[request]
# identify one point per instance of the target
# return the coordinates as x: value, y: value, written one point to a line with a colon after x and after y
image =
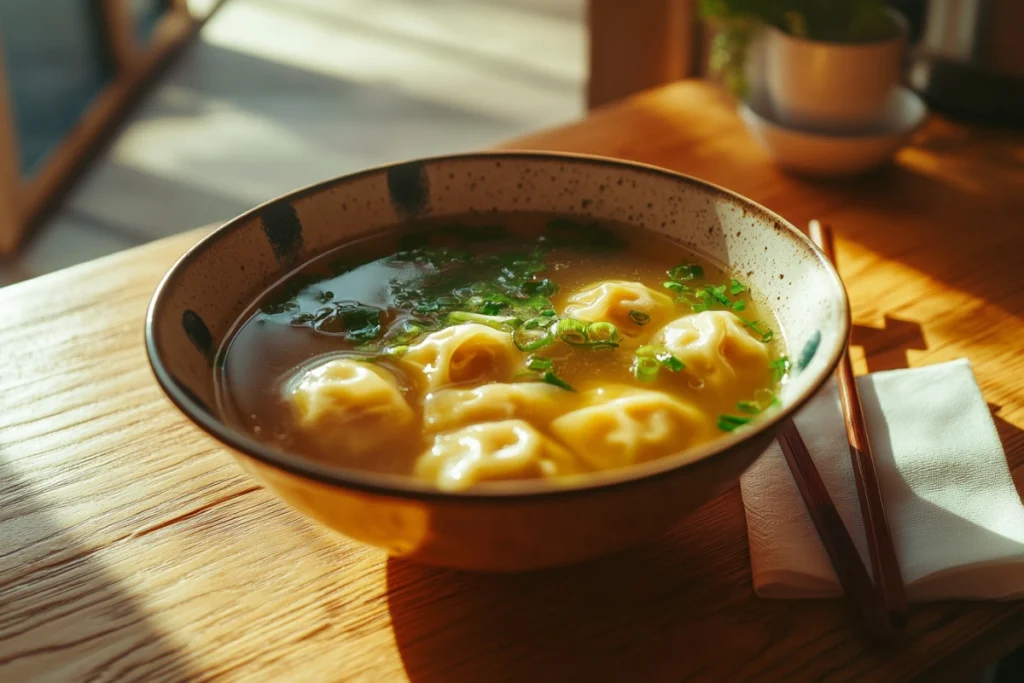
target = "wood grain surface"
x: 133, y: 548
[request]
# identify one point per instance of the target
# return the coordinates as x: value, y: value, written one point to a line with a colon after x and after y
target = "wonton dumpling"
x: 492, y: 451
x: 719, y: 352
x: 463, y: 353
x: 623, y: 426
x: 348, y: 406
x: 449, y: 408
x: 612, y: 302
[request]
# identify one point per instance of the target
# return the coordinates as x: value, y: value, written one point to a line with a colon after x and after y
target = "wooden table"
x: 133, y: 548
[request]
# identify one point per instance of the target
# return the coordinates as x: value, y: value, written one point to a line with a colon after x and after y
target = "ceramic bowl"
x: 509, y: 526
x: 823, y: 154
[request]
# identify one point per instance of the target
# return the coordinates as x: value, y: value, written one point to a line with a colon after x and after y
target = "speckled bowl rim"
x: 397, y: 486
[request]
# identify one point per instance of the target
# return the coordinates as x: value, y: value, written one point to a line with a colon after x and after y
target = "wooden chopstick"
x: 883, y: 555
x: 836, y: 539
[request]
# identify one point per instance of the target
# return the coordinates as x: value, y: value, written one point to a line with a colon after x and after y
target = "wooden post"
x: 638, y: 45
x: 11, y: 214
x: 117, y: 19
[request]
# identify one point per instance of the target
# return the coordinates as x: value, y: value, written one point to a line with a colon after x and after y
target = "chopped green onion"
x: 677, y: 287
x: 410, y: 331
x: 398, y: 350
x: 683, y: 273
x: 639, y: 318
x: 536, y: 323
x: 728, y: 423
x: 717, y: 293
x: 736, y: 287
x: 759, y: 328
x: 779, y: 366
x: 766, y: 398
x: 549, y: 313
x: 738, y: 305
x: 669, y: 361
x: 602, y: 333
x: 645, y: 368
x: 543, y: 287
x: 572, y: 331
x: 531, y: 339
x: 503, y: 323
x: 553, y: 379
x: 661, y: 357
x: 492, y: 308
x: 539, y: 364
x: 749, y: 407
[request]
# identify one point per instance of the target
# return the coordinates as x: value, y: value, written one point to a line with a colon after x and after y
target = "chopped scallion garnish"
x: 728, y: 423
x: 779, y: 366
x: 717, y: 293
x: 760, y: 328
x: 503, y: 323
x: 532, y: 339
x: 736, y: 287
x: 539, y: 364
x: 639, y: 318
x: 749, y: 407
x: 602, y: 333
x: 683, y: 273
x: 669, y: 361
x: 677, y: 287
x: 572, y: 331
x: 645, y: 368
x: 553, y: 379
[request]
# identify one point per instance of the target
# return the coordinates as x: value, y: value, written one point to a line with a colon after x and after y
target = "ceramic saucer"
x: 821, y: 153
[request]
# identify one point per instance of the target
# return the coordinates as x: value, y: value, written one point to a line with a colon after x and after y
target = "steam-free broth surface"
x: 520, y: 347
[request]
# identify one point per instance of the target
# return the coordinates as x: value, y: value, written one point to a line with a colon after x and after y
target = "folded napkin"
x: 956, y: 518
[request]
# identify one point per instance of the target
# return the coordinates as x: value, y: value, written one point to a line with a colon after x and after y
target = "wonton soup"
x: 521, y: 347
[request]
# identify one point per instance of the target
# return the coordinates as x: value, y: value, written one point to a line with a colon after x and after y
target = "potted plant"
x: 819, y: 64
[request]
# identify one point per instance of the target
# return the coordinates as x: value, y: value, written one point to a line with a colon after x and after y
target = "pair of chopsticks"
x: 883, y: 606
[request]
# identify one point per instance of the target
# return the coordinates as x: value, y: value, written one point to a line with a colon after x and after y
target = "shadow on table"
x: 455, y: 626
x: 63, y: 616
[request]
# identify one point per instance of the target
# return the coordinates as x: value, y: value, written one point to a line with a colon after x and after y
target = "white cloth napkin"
x: 956, y: 518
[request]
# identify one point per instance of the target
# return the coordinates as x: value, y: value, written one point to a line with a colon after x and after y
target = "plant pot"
x: 826, y: 86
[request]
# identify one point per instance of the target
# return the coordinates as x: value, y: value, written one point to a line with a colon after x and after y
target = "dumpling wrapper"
x: 624, y: 426
x: 493, y: 451
x: 613, y: 300
x: 534, y: 401
x: 349, y: 407
x: 720, y: 353
x: 461, y: 354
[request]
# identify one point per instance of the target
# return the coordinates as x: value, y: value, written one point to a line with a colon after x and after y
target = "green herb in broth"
x: 515, y: 287
x: 649, y: 360
x: 729, y: 423
x: 780, y: 367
